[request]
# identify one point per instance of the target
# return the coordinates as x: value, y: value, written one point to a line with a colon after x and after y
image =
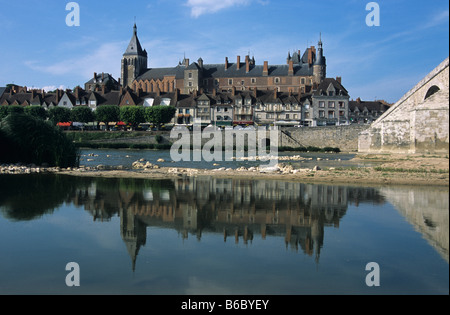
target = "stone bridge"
x: 417, y: 123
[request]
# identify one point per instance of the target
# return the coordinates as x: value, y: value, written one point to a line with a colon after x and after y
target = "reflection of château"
x: 236, y: 208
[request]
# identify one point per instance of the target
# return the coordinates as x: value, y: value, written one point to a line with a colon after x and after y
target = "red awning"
x: 64, y: 124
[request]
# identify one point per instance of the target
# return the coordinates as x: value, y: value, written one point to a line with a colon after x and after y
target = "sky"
x: 383, y: 61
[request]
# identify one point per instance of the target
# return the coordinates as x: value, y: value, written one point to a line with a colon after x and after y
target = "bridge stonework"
x: 417, y: 123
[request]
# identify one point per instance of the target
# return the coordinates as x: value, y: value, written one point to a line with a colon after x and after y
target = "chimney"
x: 33, y: 94
x: 95, y: 77
x: 339, y: 79
x: 275, y: 93
x: 103, y: 89
x: 226, y: 63
x: 358, y: 100
x: 266, y: 69
x: 310, y: 61
x: 186, y: 62
x: 119, y: 81
x: 247, y: 64
x: 103, y: 76
x: 291, y: 68
x: 238, y: 63
x: 214, y: 92
x: 77, y: 93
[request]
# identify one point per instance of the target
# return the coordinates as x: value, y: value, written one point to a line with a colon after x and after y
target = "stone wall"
x: 342, y: 137
x: 417, y: 123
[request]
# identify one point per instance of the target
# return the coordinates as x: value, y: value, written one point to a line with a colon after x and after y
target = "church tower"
x: 134, y: 61
x: 320, y: 65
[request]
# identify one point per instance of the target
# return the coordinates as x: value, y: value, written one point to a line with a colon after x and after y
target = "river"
x: 204, y: 235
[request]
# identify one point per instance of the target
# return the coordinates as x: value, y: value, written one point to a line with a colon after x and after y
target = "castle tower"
x: 320, y: 65
x: 134, y: 61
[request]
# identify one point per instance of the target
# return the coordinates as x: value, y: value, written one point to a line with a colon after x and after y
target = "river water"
x: 203, y: 236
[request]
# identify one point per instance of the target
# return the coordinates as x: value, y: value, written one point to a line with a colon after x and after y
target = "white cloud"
x: 199, y: 7
x: 104, y: 59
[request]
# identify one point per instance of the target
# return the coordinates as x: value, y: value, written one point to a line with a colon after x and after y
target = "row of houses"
x: 328, y: 105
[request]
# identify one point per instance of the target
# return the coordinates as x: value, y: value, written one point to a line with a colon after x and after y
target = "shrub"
x: 32, y: 140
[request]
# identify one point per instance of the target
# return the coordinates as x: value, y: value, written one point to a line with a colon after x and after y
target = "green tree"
x: 36, y: 111
x: 82, y: 114
x: 159, y: 115
x: 3, y: 112
x: 59, y: 114
x: 107, y: 114
x: 133, y: 115
x: 31, y: 140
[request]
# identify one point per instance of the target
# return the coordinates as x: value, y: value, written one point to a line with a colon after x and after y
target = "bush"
x: 31, y: 140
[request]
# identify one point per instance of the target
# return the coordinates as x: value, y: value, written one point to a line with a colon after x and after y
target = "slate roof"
x: 2, y: 90
x: 323, y: 86
x: 134, y: 47
x: 160, y: 73
x: 371, y: 106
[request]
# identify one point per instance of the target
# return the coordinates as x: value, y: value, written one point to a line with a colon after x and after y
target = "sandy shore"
x: 430, y: 170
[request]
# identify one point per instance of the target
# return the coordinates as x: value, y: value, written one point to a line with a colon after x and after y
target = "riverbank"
x: 391, y: 169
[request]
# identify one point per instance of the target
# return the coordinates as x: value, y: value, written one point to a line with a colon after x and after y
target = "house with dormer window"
x: 330, y: 105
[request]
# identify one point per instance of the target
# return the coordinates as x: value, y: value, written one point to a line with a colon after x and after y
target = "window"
x: 190, y: 84
x: 341, y: 113
x: 330, y: 93
x: 295, y: 116
x: 330, y: 114
x: 277, y: 80
x: 303, y: 81
x: 287, y: 116
x: 321, y: 114
x: 331, y: 104
x: 253, y: 81
x: 321, y: 104
x: 190, y: 75
x: 230, y: 81
x: 307, y: 115
x: 341, y: 104
x: 242, y: 82
x: 188, y: 111
x: 216, y: 82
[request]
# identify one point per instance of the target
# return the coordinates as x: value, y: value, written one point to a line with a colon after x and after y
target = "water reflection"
x: 238, y: 209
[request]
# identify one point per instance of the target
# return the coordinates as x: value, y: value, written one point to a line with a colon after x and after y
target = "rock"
x: 316, y: 168
x: 160, y: 161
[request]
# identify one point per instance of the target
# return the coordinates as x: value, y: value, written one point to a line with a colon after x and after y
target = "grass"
x: 402, y: 170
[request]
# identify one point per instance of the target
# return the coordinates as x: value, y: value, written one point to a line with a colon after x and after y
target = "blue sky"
x: 39, y: 50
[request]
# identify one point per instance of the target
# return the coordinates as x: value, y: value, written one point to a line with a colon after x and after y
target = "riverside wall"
x: 343, y: 137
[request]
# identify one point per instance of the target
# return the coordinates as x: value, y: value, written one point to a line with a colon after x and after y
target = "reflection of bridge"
x: 427, y: 211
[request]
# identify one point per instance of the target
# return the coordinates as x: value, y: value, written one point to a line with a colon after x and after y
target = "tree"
x: 159, y: 115
x: 133, y: 115
x: 59, y: 114
x: 107, y: 114
x: 82, y: 114
x: 36, y: 111
x: 31, y: 140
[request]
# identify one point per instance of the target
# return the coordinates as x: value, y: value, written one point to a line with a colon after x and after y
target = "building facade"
x: 300, y: 74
